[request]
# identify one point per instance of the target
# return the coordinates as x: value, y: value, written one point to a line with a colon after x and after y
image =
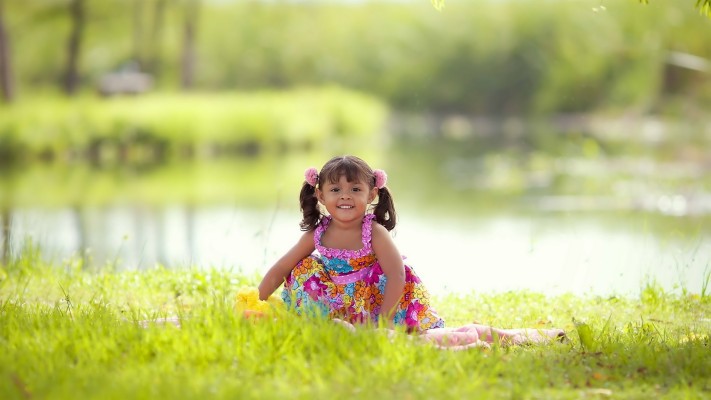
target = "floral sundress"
x: 349, y: 284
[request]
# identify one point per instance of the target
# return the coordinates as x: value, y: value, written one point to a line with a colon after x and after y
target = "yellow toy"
x: 248, y: 303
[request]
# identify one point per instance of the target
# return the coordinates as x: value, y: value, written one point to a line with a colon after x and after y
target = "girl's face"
x: 346, y: 201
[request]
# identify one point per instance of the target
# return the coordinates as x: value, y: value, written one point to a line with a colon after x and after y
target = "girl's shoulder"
x: 307, y: 236
x: 382, y: 241
x: 377, y: 230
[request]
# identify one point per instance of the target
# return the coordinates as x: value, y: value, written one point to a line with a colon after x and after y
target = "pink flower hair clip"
x: 381, y: 178
x: 311, y: 176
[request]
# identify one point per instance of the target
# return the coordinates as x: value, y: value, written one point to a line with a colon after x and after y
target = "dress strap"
x: 320, y: 229
x: 368, y: 231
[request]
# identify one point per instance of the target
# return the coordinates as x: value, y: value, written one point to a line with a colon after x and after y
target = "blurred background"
x: 555, y: 146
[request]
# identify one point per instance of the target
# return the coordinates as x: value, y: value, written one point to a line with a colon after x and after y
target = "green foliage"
x: 704, y: 6
x: 164, y: 126
x: 474, y: 56
x: 585, y: 335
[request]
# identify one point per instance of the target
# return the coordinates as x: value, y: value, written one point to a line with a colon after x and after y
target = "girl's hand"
x: 248, y: 303
x: 281, y: 269
x: 344, y: 324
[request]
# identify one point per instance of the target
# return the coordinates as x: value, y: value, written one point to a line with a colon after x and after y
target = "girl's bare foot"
x: 536, y: 336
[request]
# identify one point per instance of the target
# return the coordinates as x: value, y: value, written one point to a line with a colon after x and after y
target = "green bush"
x: 160, y: 126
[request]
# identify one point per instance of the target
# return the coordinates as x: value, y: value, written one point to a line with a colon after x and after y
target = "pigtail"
x: 385, y: 209
x: 309, y: 207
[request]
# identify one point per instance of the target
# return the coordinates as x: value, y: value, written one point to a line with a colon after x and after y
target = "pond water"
x: 469, y: 220
x: 557, y: 254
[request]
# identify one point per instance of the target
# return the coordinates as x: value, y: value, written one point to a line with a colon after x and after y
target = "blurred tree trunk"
x: 188, y: 58
x: 77, y: 13
x: 153, y: 58
x: 7, y: 84
x: 138, y: 40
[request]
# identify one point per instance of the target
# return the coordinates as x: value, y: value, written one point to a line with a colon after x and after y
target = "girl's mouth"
x: 345, y: 207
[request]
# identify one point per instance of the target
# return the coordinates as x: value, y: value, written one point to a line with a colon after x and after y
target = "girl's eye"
x: 356, y: 189
x: 334, y: 189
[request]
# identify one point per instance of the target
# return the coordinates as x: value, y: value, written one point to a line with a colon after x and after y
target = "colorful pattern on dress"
x: 349, y: 284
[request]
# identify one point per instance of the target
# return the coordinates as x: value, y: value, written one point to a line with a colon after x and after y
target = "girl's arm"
x: 390, y: 261
x: 278, y: 272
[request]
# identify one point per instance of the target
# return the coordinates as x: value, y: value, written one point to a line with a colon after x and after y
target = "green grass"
x: 69, y: 333
x: 162, y: 126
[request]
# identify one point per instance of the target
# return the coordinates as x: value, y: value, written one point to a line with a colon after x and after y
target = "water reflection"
x: 140, y: 237
x: 552, y: 254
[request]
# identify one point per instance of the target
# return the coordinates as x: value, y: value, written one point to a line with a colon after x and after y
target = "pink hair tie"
x: 381, y: 178
x: 311, y: 175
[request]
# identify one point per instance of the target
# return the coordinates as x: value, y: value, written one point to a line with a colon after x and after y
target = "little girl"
x: 357, y: 274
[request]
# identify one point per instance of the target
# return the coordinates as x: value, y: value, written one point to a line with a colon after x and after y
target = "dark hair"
x: 355, y: 170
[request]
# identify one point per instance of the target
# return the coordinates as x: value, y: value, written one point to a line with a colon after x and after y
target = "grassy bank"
x: 160, y: 127
x: 70, y: 333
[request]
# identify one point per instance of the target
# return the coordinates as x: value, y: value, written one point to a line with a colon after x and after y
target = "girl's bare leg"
x: 454, y: 339
x: 443, y: 338
x: 477, y: 335
x: 490, y: 334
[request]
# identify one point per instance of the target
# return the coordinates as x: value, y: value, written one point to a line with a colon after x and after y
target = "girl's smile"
x: 346, y: 201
